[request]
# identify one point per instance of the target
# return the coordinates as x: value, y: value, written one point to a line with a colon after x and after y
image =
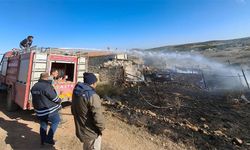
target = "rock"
x: 137, y: 110
x: 151, y: 113
x: 118, y: 103
x: 192, y: 127
x: 144, y: 112
x: 203, y: 131
x: 166, y: 131
x: 224, y: 129
x: 167, y: 120
x: 177, y: 94
x: 237, y: 141
x: 164, y: 144
x: 108, y: 102
x: 202, y: 119
x: 243, y: 97
x: 185, y: 121
x: 235, y: 101
x: 205, y: 126
x: 181, y: 124
x: 122, y: 106
x: 219, y: 133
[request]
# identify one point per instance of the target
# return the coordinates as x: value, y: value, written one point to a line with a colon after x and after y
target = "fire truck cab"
x: 19, y: 71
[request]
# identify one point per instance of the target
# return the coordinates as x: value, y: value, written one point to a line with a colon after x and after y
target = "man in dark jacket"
x: 26, y: 43
x: 87, y: 112
x: 46, y: 104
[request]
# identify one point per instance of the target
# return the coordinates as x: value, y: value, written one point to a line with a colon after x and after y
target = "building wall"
x: 99, y: 60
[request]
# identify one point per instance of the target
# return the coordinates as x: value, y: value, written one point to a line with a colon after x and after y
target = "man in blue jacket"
x: 46, y: 104
x: 26, y: 43
x: 87, y: 112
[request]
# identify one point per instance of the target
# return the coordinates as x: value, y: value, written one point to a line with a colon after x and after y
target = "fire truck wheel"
x: 10, y: 104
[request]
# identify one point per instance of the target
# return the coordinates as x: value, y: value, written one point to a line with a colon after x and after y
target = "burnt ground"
x: 189, y: 114
x: 177, y: 114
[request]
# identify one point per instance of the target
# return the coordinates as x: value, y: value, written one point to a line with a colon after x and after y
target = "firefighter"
x: 26, y: 43
x: 46, y: 104
x: 87, y: 112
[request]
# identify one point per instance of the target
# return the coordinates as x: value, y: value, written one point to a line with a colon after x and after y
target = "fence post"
x: 204, y: 81
x: 245, y: 77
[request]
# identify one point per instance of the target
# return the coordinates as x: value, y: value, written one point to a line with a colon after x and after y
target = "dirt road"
x: 19, y: 130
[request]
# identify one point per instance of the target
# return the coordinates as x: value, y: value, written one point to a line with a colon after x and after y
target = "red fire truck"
x: 19, y: 71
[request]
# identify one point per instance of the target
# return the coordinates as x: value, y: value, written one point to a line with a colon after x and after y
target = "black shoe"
x: 50, y: 142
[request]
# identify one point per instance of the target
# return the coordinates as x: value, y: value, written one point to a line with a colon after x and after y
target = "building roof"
x: 99, y: 53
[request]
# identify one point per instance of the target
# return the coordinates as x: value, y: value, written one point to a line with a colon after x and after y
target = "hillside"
x: 236, y: 51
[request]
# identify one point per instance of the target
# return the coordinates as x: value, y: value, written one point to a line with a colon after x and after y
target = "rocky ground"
x: 156, y: 115
x: 187, y: 114
x: 20, y: 131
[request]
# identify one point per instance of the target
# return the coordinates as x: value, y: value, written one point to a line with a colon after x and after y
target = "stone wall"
x: 99, y: 60
x: 106, y: 74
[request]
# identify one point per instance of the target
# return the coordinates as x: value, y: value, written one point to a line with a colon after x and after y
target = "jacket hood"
x: 83, y: 88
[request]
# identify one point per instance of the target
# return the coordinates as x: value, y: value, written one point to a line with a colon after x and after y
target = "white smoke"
x: 224, y: 76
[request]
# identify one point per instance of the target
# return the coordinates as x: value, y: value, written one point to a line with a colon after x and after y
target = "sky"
x: 121, y: 24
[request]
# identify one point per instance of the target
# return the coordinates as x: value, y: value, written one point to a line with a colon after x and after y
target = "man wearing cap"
x: 46, y: 104
x: 87, y: 112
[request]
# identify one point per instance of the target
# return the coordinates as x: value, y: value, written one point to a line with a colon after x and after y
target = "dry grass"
x: 109, y: 90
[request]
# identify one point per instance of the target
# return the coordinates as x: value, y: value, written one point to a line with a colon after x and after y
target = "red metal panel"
x: 23, y: 90
x: 63, y: 58
x: 12, y: 70
x: 20, y: 94
x: 8, y: 54
x: 64, y: 90
x: 26, y: 99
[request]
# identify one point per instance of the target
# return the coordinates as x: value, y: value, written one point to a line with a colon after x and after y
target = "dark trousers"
x: 44, y: 121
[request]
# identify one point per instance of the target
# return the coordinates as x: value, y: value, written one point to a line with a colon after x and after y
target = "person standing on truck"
x: 87, y: 112
x: 46, y: 104
x: 26, y: 43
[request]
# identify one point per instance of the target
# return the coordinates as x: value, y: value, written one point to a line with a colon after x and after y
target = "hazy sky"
x: 121, y: 23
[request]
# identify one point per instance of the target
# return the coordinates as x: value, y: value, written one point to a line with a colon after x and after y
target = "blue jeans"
x: 54, y: 119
